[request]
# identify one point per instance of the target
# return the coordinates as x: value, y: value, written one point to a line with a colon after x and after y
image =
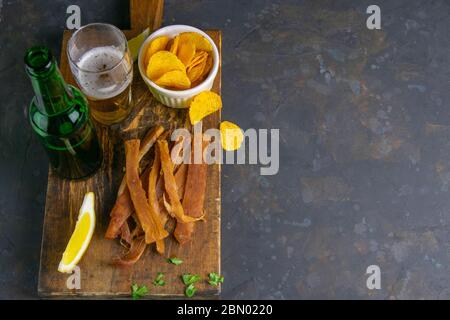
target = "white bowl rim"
x: 191, y: 91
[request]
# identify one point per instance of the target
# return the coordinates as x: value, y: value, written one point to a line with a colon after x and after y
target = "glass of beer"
x: 102, y: 66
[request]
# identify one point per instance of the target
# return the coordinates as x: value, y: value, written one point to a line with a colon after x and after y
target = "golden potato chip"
x: 205, y: 73
x: 195, y: 72
x: 203, y: 104
x: 174, y: 46
x: 208, y: 66
x: 174, y: 79
x: 231, y: 136
x: 162, y: 62
x: 186, y: 51
x: 198, y: 58
x: 156, y: 45
x: 201, y: 43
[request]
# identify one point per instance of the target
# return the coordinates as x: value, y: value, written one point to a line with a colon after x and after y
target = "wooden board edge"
x: 126, y: 297
x: 39, y: 288
x: 219, y: 208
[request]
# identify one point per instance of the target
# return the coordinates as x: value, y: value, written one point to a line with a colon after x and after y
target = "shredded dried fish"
x: 152, y: 199
x: 125, y: 234
x: 171, y: 186
x: 137, y: 248
x: 150, y: 222
x: 122, y: 209
x: 148, y: 141
x: 193, y: 199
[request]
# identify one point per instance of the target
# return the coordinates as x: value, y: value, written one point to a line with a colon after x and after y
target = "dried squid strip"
x: 121, y: 211
x: 193, y: 199
x: 150, y: 222
x: 132, y: 256
x: 152, y: 198
x: 171, y: 186
x: 148, y: 141
x: 180, y: 180
x: 125, y: 234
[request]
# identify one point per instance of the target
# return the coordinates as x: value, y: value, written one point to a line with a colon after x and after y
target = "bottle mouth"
x: 38, y: 60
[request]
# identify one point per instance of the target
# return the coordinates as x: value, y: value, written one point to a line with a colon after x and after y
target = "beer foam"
x: 98, y: 85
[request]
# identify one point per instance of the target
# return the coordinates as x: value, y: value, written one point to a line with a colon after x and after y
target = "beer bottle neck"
x: 52, y: 95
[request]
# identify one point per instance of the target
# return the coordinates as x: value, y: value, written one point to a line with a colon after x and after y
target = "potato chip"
x: 162, y: 62
x: 201, y: 43
x: 194, y: 73
x: 174, y: 46
x: 203, y: 104
x: 208, y: 66
x: 156, y: 45
x: 231, y: 136
x: 174, y: 79
x: 198, y: 58
x: 205, y: 73
x: 186, y: 51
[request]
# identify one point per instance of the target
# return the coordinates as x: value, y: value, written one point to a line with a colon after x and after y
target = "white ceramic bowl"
x: 178, y: 98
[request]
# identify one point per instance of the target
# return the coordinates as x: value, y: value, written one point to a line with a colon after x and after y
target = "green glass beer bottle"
x: 59, y: 115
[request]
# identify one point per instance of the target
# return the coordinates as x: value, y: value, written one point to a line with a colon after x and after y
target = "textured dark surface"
x: 364, y: 144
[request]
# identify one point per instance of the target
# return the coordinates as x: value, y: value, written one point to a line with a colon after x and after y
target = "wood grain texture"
x: 99, y: 278
x: 148, y: 13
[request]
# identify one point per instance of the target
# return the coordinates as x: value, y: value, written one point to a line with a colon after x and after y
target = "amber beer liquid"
x: 102, y: 65
x: 108, y: 88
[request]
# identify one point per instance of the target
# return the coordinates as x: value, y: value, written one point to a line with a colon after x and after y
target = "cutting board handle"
x: 146, y: 13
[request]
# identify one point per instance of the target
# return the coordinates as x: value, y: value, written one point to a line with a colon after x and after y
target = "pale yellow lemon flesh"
x: 81, y: 236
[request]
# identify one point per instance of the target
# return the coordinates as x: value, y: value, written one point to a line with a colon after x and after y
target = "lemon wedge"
x: 135, y: 43
x: 81, y: 236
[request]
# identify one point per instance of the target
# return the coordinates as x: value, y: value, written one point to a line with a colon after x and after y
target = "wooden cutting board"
x: 99, y: 278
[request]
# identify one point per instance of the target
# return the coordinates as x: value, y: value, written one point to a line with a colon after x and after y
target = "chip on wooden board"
x: 203, y: 104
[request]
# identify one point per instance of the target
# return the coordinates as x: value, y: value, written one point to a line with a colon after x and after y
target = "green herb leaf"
x: 190, y: 278
x: 159, y: 281
x: 215, y: 279
x: 138, y: 292
x: 190, y: 290
x: 175, y: 261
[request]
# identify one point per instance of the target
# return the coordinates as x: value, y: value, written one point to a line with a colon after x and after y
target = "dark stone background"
x: 364, y: 130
